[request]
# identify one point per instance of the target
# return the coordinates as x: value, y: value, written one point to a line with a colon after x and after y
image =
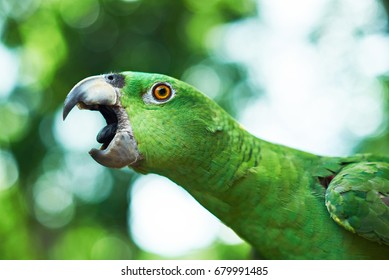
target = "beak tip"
x: 64, y: 115
x: 71, y: 100
x: 66, y: 110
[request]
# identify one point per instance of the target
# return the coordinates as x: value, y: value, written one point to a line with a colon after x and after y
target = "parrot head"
x: 153, y: 121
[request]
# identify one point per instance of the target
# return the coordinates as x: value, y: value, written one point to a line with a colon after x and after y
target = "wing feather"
x: 357, y: 200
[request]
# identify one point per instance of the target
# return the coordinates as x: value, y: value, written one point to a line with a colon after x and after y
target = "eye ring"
x: 162, y: 91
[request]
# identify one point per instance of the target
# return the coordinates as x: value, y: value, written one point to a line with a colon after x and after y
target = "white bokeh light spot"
x: 9, y: 68
x: 315, y: 68
x: 78, y: 132
x: 166, y: 220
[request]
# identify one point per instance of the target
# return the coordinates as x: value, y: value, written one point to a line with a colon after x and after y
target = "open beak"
x: 101, y: 93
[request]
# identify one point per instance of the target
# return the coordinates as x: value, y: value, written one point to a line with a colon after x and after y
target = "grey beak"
x: 122, y: 149
x: 91, y: 91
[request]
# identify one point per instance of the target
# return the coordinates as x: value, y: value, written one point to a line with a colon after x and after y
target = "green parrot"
x: 288, y: 204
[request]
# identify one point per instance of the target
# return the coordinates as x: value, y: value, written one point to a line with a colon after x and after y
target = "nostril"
x: 115, y: 79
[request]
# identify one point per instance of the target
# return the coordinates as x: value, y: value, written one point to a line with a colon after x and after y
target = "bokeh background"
x: 309, y: 74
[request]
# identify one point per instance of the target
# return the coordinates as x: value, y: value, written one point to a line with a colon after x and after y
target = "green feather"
x: 354, y: 200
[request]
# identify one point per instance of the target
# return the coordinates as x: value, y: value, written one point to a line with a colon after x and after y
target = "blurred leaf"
x: 15, y: 238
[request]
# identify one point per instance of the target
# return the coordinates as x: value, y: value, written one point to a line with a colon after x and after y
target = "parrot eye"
x: 162, y: 91
x: 159, y: 93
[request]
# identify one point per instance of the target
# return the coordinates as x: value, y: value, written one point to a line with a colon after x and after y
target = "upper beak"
x: 91, y: 91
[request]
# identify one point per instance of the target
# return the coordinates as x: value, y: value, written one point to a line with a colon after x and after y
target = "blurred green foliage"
x: 56, y: 43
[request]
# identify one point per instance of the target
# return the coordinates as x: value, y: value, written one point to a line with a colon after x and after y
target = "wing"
x: 358, y: 199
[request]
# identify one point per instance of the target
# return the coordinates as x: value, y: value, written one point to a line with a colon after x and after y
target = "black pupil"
x: 110, y: 77
x: 162, y: 91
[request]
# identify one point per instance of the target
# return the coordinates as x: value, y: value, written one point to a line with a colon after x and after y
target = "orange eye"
x: 162, y: 92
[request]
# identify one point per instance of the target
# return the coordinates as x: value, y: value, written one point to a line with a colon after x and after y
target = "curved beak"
x: 91, y: 91
x: 119, y: 147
